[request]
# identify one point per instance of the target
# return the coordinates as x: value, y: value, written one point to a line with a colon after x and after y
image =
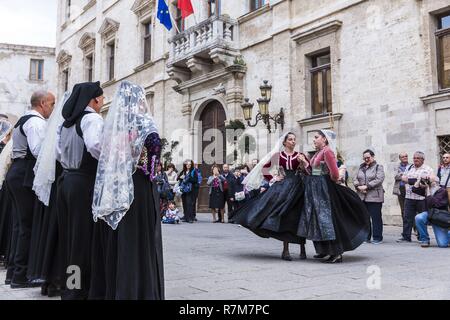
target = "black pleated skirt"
x: 133, y: 255
x: 5, y: 222
x: 75, y: 232
x: 216, y: 199
x: 51, y: 259
x: 333, y: 216
x: 276, y: 212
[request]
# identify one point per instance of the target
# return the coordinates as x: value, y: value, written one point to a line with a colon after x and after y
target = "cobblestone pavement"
x: 225, y: 261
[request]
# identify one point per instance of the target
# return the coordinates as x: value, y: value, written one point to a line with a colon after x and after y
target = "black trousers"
x: 13, y: 241
x: 23, y: 199
x: 376, y: 225
x: 412, y: 208
x: 196, y: 192
x: 188, y: 200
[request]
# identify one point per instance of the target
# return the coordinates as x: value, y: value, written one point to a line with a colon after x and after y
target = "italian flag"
x: 186, y: 8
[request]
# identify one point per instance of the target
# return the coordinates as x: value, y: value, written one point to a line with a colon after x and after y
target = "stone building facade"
x: 24, y: 69
x: 377, y: 71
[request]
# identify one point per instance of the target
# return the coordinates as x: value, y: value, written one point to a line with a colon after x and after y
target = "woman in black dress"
x: 5, y: 202
x: 216, y: 194
x: 333, y: 216
x: 126, y: 199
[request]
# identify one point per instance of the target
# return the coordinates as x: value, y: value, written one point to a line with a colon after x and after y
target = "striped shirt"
x: 416, y: 173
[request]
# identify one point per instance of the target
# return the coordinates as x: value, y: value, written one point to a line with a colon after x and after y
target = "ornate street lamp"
x: 263, y: 114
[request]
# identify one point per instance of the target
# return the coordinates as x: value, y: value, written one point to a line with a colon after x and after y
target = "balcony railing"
x: 215, y: 32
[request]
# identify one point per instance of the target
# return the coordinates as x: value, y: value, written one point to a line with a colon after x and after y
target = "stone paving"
x: 227, y: 262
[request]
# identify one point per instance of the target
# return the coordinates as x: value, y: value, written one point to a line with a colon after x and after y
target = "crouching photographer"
x: 437, y: 215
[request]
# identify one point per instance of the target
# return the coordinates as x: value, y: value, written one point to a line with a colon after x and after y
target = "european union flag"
x: 164, y: 14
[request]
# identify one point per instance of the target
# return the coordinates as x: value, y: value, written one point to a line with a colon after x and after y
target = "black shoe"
x: 7, y: 282
x: 403, y: 240
x: 334, y: 259
x: 44, y: 289
x: 303, y: 256
x: 217, y: 221
x: 195, y: 219
x: 20, y: 285
x: 320, y: 256
x: 53, y: 291
x: 286, y: 256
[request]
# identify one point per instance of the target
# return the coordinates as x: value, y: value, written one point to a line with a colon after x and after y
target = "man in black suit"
x: 229, y: 190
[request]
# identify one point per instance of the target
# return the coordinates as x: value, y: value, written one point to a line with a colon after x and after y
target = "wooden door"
x: 212, y: 117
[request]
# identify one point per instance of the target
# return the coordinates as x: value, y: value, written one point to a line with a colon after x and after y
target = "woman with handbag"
x: 188, y: 180
x: 216, y: 184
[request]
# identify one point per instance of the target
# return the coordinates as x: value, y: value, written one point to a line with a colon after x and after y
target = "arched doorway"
x: 213, y: 144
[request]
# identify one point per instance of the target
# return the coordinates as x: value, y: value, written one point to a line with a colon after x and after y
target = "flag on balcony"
x: 164, y: 14
x: 186, y: 8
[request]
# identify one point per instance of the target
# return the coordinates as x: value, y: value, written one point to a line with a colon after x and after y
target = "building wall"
x: 16, y: 87
x: 383, y: 60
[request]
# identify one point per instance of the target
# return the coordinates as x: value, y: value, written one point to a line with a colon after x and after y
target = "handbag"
x: 186, y: 186
x: 165, y: 190
x: 177, y: 189
x: 239, y: 196
x: 440, y: 218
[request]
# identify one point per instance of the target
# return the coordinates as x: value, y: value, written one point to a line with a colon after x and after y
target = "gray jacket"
x: 373, y: 178
x: 398, y: 179
x: 210, y: 180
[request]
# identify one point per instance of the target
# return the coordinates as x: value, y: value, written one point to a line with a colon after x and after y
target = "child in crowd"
x: 171, y: 215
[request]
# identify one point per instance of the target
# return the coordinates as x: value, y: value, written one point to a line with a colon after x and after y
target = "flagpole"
x: 195, y: 18
x: 174, y: 23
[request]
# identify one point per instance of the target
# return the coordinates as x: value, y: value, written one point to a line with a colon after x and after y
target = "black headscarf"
x: 81, y: 95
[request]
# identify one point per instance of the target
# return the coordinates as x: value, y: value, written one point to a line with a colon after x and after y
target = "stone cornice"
x: 142, y: 7
x: 253, y: 14
x: 27, y: 49
x: 314, y: 32
x: 319, y: 119
x: 108, y: 26
x: 63, y: 57
x: 144, y: 66
x: 87, y: 41
x: 436, y: 97
x: 210, y: 76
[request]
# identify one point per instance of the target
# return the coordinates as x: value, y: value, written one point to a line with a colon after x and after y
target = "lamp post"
x: 263, y: 113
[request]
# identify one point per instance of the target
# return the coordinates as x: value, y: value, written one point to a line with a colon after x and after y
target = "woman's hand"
x: 362, y: 189
x: 302, y: 159
x: 278, y: 178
